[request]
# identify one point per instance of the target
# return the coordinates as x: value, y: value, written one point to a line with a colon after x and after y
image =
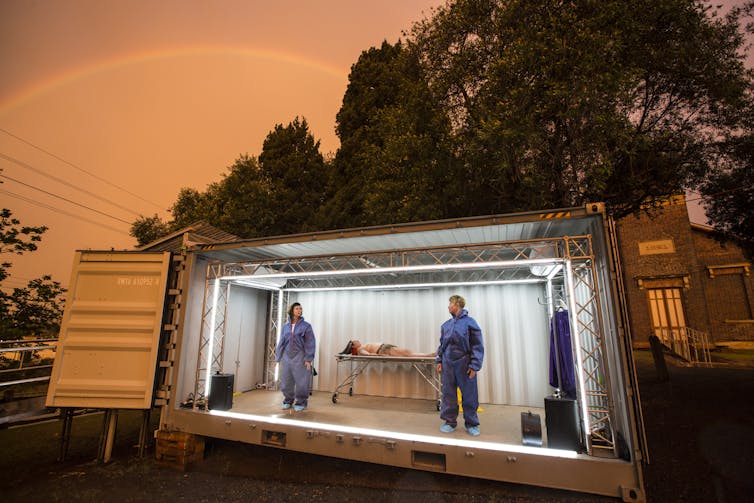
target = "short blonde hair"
x: 458, y: 300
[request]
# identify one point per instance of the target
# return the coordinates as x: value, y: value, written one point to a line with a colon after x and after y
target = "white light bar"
x: 409, y: 437
x: 257, y: 284
x: 574, y: 321
x: 279, y: 330
x: 408, y: 268
x: 416, y: 285
x: 211, y: 348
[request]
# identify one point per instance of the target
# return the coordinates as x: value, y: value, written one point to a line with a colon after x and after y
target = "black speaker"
x: 562, y: 422
x: 221, y: 392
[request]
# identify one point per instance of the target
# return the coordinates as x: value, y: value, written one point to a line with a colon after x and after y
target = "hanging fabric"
x: 562, y: 372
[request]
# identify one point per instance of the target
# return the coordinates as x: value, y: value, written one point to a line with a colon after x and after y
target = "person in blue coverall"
x: 459, y: 359
x: 295, y: 350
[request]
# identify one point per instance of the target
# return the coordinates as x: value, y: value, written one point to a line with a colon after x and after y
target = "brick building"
x: 680, y: 282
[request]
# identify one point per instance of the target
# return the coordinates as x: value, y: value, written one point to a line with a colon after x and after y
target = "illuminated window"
x: 668, y: 320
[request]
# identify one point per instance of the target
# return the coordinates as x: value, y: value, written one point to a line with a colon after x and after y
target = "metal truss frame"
x: 509, y: 261
x: 594, y: 381
x: 275, y: 320
x: 212, y: 333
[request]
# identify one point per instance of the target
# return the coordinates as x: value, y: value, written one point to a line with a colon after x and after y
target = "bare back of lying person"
x: 380, y: 349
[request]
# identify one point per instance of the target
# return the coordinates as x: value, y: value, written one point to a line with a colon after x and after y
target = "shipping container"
x: 195, y: 331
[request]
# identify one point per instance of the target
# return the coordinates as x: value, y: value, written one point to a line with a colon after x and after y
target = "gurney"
x: 425, y: 366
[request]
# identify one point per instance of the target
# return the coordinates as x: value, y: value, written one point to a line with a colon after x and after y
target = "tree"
x: 148, y: 229
x: 190, y: 206
x: 35, y: 310
x: 279, y: 193
x: 242, y: 202
x: 393, y: 162
x: 297, y: 175
x: 729, y: 194
x: 560, y: 103
x: 16, y: 239
x: 728, y: 189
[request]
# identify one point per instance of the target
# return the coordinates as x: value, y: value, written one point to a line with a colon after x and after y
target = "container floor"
x: 498, y: 423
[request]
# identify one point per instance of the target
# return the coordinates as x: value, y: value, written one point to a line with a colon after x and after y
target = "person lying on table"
x: 355, y: 347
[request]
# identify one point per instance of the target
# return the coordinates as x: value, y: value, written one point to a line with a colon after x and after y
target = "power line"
x: 65, y: 199
x: 708, y: 196
x: 62, y: 212
x: 79, y: 168
x: 60, y: 180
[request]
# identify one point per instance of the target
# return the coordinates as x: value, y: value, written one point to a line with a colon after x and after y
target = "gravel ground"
x: 699, y: 429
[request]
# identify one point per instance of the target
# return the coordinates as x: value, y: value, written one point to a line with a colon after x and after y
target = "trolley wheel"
x: 438, y: 405
x: 350, y: 391
x: 334, y: 398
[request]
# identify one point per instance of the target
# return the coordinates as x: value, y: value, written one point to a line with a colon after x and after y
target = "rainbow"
x: 137, y: 58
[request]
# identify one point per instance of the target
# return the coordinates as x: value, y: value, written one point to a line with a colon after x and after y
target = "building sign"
x: 656, y: 247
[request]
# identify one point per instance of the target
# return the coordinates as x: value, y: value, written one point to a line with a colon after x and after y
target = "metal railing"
x: 22, y: 357
x: 691, y: 344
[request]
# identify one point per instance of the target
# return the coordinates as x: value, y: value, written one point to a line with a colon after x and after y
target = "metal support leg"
x: 143, y: 433
x: 107, y: 438
x: 66, y: 418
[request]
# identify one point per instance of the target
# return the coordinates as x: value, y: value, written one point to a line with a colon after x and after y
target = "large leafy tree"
x: 729, y: 193
x: 559, y: 103
x: 394, y: 161
x: 241, y: 202
x: 296, y: 175
x: 279, y: 193
x: 728, y: 190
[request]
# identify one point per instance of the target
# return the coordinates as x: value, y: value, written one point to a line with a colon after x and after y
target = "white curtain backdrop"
x: 513, y: 319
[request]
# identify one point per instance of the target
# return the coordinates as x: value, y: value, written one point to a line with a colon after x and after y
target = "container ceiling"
x: 529, y: 226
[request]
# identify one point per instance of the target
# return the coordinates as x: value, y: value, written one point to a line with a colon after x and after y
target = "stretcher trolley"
x: 424, y: 365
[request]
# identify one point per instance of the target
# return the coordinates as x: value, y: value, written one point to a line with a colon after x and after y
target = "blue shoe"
x: 446, y: 428
x: 286, y: 406
x: 299, y: 408
x: 473, y: 431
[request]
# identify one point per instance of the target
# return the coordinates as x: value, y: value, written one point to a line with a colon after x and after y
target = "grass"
x: 22, y: 447
x: 743, y: 356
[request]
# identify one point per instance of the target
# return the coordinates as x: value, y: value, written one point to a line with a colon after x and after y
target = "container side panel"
x: 110, y: 332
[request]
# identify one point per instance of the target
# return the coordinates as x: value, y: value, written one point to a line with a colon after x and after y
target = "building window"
x: 668, y: 320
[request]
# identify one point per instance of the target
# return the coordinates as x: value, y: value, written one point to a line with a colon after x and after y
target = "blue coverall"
x: 293, y: 350
x: 461, y: 348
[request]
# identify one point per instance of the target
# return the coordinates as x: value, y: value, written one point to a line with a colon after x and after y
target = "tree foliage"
x: 281, y: 192
x: 16, y: 239
x: 728, y: 189
x: 148, y: 229
x: 296, y: 177
x: 729, y: 193
x: 559, y: 103
x: 36, y: 309
x: 394, y: 161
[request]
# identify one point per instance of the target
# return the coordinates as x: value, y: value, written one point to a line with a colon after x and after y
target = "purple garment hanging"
x: 561, y: 355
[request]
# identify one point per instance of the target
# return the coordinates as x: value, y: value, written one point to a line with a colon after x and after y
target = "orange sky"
x: 153, y: 96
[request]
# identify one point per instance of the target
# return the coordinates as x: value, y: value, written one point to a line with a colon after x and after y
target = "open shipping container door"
x: 110, y: 333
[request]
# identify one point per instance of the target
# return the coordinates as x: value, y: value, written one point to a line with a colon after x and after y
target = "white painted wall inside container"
x: 514, y: 324
x: 245, y: 332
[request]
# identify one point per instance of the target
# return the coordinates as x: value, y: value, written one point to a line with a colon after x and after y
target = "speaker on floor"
x: 221, y: 392
x: 562, y: 422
